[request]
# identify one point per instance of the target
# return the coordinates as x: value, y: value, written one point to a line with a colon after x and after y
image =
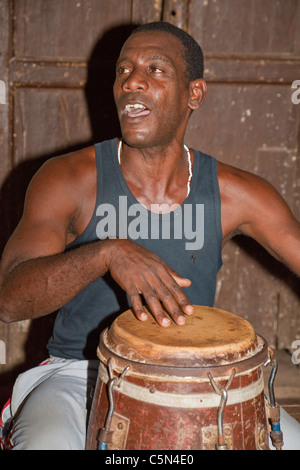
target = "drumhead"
x: 210, y: 337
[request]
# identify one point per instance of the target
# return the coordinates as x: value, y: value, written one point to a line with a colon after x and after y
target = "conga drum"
x: 193, y: 387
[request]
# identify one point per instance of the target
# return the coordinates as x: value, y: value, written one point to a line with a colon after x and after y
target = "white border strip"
x: 199, y: 400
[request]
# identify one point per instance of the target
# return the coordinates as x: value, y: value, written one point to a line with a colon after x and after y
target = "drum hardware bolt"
x: 105, y: 435
x: 152, y: 390
x: 271, y: 355
x: 273, y: 408
x: 120, y: 426
x: 121, y: 377
x: 220, y: 444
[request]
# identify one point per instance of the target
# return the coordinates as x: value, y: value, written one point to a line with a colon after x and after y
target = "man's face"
x: 150, y: 90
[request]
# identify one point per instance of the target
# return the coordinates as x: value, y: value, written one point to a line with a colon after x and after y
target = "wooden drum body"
x: 193, y: 387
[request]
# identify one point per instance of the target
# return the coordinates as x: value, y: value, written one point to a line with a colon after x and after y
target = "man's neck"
x: 158, y: 175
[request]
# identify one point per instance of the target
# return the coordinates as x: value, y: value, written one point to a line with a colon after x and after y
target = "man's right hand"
x: 140, y: 272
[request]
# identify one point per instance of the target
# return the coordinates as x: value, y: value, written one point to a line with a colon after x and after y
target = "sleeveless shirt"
x: 188, y: 239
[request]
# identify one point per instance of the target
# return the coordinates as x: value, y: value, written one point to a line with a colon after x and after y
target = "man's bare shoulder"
x: 65, y: 188
x: 235, y: 179
x: 71, y: 165
x: 245, y: 197
x: 242, y: 188
x: 64, y: 176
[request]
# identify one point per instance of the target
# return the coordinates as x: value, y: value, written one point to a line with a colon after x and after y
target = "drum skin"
x: 169, y: 396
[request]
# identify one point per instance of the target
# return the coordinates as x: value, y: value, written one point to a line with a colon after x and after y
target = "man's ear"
x: 198, y: 89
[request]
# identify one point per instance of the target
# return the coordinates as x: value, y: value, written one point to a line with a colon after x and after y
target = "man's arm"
x: 252, y: 206
x: 37, y: 276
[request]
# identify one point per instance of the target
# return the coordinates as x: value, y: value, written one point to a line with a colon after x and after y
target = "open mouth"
x: 136, y: 110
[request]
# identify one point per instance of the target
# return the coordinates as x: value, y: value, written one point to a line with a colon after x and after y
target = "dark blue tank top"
x: 189, y: 240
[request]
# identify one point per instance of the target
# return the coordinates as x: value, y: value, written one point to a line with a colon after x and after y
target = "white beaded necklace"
x: 189, y: 161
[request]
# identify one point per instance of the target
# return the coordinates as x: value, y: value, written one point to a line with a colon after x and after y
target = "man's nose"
x: 135, y: 81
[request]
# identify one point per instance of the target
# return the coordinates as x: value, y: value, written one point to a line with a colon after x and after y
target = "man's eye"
x: 155, y: 69
x: 123, y: 69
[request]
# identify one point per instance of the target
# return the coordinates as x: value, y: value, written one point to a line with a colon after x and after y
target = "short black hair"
x: 192, y: 52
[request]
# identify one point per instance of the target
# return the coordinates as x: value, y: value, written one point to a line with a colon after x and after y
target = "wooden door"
x: 57, y: 66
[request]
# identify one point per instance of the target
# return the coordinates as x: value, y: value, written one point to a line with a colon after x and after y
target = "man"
x: 70, y: 253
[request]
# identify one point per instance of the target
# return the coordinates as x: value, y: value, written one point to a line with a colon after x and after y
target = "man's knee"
x: 53, y: 417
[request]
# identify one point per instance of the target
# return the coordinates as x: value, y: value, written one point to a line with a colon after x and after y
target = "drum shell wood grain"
x: 139, y: 425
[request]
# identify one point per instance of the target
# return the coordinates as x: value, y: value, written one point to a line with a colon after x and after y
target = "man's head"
x: 192, y: 52
x: 155, y: 90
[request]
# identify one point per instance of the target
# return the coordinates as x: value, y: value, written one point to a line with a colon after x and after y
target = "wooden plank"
x: 65, y: 127
x: 64, y: 117
x: 247, y: 69
x: 64, y: 28
x: 289, y: 312
x: 5, y: 161
x: 237, y: 120
x: 5, y: 130
x: 144, y: 11
x: 247, y: 288
x: 235, y: 26
x: 293, y: 410
x: 40, y: 73
x: 176, y: 12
